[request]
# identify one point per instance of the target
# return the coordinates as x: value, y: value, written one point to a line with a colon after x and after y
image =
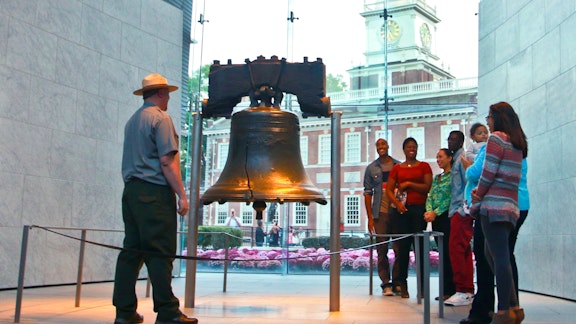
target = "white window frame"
x: 352, y: 143
x: 300, y: 214
x: 222, y: 155
x: 247, y: 213
x: 352, y: 210
x: 304, y: 149
x: 419, y: 134
x: 381, y: 134
x: 445, y: 132
x: 221, y: 214
x: 324, y: 149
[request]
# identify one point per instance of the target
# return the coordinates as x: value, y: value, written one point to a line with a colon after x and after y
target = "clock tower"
x: 405, y: 40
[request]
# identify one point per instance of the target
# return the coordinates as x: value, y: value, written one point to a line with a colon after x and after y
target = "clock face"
x: 425, y: 36
x: 391, y: 30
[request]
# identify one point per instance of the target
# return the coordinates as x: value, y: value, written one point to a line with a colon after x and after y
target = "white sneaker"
x: 460, y: 299
x: 387, y: 291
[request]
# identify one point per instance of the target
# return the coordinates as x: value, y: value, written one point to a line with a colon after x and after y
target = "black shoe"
x: 404, y: 293
x: 445, y: 297
x: 180, y: 319
x: 136, y: 318
x: 470, y: 320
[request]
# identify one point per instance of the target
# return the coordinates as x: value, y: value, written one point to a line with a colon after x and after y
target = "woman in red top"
x: 413, y: 178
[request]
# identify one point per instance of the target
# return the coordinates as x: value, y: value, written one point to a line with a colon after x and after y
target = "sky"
x: 332, y: 30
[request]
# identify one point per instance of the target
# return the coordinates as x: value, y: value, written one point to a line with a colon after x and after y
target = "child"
x: 479, y: 136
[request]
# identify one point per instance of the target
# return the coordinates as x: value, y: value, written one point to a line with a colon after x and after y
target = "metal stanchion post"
x: 426, y: 291
x: 225, y: 262
x: 20, y: 291
x: 80, y: 269
x: 371, y: 267
x: 193, y: 213
x: 335, y: 211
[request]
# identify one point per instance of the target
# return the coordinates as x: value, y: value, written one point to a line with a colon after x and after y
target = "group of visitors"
x: 481, y: 195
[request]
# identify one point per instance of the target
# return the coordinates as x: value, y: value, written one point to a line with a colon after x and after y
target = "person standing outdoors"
x: 461, y: 229
x: 495, y: 202
x: 437, y: 205
x: 151, y: 174
x: 376, y: 203
x: 411, y: 179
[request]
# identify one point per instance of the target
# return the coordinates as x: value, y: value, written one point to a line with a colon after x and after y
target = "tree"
x: 335, y: 83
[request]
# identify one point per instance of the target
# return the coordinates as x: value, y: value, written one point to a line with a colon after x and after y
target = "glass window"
x: 221, y: 214
x: 247, y: 214
x: 445, y: 132
x: 352, y: 209
x: 382, y: 134
x: 300, y: 214
x: 324, y: 149
x: 304, y: 149
x: 222, y: 155
x: 418, y: 134
x: 352, y: 153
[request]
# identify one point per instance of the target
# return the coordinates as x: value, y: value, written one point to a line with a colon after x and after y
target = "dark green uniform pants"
x: 149, y: 213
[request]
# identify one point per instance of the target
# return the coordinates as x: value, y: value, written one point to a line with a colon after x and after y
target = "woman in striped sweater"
x: 496, y: 202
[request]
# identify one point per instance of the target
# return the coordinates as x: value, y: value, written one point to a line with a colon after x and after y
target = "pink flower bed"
x: 304, y: 258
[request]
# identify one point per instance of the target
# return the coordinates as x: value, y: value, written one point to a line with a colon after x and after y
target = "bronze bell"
x: 264, y: 162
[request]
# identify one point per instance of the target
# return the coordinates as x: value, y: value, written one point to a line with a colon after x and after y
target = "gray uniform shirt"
x: 148, y: 135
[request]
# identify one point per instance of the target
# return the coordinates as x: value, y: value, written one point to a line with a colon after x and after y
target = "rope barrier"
x: 197, y: 258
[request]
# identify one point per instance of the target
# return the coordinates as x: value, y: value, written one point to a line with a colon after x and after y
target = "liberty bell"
x: 264, y: 162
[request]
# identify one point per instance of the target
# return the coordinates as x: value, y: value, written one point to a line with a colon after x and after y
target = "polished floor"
x: 264, y: 298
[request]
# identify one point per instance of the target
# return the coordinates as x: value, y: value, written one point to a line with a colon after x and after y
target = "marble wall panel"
x: 531, y: 108
x: 32, y: 50
x: 101, y: 33
x: 560, y: 95
x: 52, y: 258
x: 25, y: 148
x: 506, y: 41
x: 169, y: 62
x: 15, y: 94
x: 12, y: 200
x: 536, y: 29
x: 48, y: 201
x: 94, y: 205
x: 97, y: 117
x: 156, y: 13
x: 494, y: 87
x: 109, y: 157
x: 567, y: 44
x: 520, y: 71
x: 487, y: 57
x: 62, y: 18
x: 546, y: 63
x: 4, y: 23
x: 67, y: 94
x: 52, y: 105
x: 557, y: 11
x: 568, y: 155
x: 117, y: 79
x: 138, y: 47
x: 11, y: 238
x: 569, y: 260
x: 78, y: 66
x: 493, y: 15
x: 25, y: 11
x: 127, y: 11
x: 96, y: 4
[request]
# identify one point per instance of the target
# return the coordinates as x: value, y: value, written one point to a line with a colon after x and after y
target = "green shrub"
x: 346, y: 242
x: 218, y: 241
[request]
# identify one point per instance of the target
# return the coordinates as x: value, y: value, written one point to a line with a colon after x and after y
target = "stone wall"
x: 68, y: 69
x: 527, y: 56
